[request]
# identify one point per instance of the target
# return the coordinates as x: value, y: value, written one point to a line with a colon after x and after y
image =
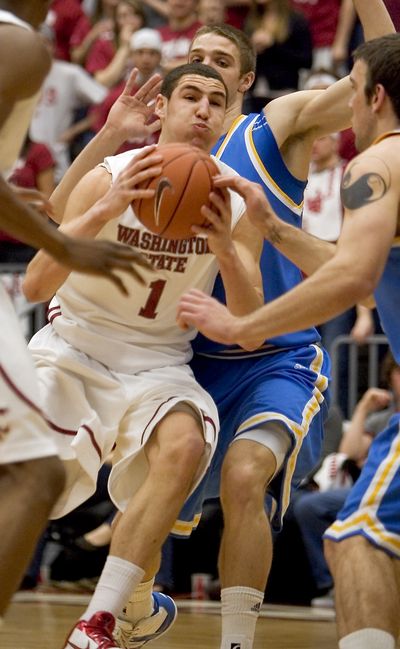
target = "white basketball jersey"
x: 139, y: 332
x: 14, y: 129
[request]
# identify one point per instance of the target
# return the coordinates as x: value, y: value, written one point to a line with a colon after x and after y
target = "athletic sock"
x: 140, y: 603
x: 368, y: 639
x: 240, y: 607
x: 117, y: 581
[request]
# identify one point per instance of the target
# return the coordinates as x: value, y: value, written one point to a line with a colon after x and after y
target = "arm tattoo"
x: 368, y: 188
x: 275, y: 237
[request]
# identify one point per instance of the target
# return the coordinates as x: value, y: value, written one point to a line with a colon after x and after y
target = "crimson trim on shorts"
x: 210, y: 421
x: 72, y: 433
x: 206, y: 418
x: 153, y: 417
x: 18, y: 392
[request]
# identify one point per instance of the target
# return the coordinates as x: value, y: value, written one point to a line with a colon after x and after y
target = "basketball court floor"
x: 41, y: 621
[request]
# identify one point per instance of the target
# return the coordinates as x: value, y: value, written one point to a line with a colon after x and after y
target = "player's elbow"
x: 33, y: 290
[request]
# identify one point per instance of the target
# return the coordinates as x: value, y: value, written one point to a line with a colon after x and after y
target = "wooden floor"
x: 43, y: 622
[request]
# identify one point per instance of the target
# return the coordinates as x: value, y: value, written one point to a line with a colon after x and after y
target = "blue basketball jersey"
x: 386, y: 300
x: 251, y: 150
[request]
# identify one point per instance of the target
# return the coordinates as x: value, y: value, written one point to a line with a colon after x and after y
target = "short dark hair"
x: 382, y: 56
x: 247, y: 55
x: 171, y: 79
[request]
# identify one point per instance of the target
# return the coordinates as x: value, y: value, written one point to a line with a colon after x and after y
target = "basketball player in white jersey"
x: 114, y: 373
x: 31, y: 476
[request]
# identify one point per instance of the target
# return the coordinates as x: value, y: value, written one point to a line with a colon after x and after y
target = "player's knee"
x: 242, y: 485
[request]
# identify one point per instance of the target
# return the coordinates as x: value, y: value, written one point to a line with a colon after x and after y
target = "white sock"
x: 240, y: 607
x: 117, y: 580
x: 140, y: 603
x: 368, y: 639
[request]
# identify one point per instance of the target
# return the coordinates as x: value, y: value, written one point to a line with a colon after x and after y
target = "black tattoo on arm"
x: 368, y: 188
x: 275, y: 236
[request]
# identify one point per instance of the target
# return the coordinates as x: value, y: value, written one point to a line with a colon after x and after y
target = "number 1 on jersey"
x: 149, y: 309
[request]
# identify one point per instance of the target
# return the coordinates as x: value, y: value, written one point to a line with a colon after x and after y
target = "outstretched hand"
x: 130, y: 114
x: 104, y: 258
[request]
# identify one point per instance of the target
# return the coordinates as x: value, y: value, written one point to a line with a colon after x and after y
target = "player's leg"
x: 31, y: 475
x: 367, y: 596
x: 28, y: 492
x: 173, y: 453
x: 362, y: 549
x: 246, y: 545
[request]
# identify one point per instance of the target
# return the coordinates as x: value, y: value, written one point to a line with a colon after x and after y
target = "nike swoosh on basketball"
x: 162, y: 186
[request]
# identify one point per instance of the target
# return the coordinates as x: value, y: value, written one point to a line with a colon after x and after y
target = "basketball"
x: 182, y: 189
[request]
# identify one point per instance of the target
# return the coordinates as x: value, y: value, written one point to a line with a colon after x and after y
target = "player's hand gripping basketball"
x: 218, y: 223
x: 128, y: 185
x: 105, y: 257
x: 258, y: 208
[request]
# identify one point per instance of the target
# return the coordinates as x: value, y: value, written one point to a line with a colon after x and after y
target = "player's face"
x: 195, y: 112
x: 363, y: 122
x: 222, y: 55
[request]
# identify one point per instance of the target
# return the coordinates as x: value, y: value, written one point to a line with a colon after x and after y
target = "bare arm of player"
x: 127, y: 119
x: 96, y: 202
x: 238, y: 253
x: 304, y: 250
x: 301, y: 117
x: 352, y: 274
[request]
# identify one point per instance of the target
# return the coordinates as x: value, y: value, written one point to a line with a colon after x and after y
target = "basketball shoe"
x: 95, y: 633
x: 132, y: 636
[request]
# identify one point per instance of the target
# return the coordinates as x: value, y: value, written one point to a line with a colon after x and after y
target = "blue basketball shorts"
x: 288, y: 386
x: 372, y: 508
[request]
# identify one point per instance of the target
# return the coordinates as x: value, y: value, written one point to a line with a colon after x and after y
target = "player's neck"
x: 233, y: 111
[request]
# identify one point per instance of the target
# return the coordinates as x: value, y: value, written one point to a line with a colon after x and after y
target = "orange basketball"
x: 181, y: 190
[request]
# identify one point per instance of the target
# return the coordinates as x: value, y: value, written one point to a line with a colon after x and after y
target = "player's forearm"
x: 242, y: 296
x: 45, y: 274
x: 306, y: 251
x: 374, y: 17
x: 25, y: 224
x: 105, y: 143
x: 331, y: 290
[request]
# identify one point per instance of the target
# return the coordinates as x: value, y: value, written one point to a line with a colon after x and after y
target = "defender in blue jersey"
x: 363, y: 545
x: 271, y: 402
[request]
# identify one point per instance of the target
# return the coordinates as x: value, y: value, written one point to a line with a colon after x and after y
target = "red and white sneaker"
x: 95, y: 633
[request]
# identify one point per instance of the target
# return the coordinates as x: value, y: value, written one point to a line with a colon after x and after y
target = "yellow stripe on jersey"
x: 263, y: 173
x: 300, y: 431
x: 229, y: 134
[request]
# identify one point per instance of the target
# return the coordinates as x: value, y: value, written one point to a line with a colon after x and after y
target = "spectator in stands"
x: 34, y: 170
x: 316, y: 510
x: 108, y: 57
x: 89, y: 28
x: 178, y: 33
x: 66, y: 88
x: 211, y: 12
x: 331, y: 23
x: 62, y: 18
x: 282, y: 40
x: 146, y: 57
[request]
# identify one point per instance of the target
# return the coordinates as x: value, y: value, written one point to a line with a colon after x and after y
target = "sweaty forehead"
x: 203, y: 84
